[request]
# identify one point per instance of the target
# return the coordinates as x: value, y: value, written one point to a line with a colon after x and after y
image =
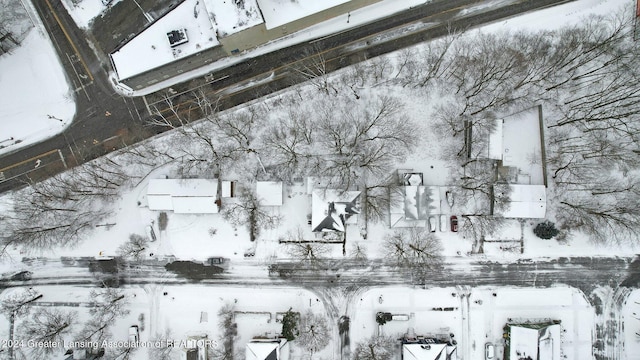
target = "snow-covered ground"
x: 631, y: 317
x: 475, y: 316
x: 86, y: 10
x: 36, y: 101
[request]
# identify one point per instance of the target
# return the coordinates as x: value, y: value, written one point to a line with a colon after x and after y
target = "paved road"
x: 584, y: 273
x: 106, y: 121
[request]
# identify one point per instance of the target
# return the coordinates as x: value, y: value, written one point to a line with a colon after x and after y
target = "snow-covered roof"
x: 183, y: 196
x: 151, y: 49
x: 424, y: 351
x: 494, y: 147
x: 526, y: 201
x: 541, y: 343
x: 232, y: 16
x: 521, y: 146
x: 269, y: 192
x: 267, y: 350
x: 414, y: 206
x: 280, y: 12
x: 331, y: 209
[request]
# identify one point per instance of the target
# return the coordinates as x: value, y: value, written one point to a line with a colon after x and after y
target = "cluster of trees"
x: 52, y: 324
x: 585, y: 77
x: 416, y: 249
x: 309, y: 330
x: 61, y: 210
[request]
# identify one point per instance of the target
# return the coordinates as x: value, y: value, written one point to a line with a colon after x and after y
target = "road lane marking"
x: 28, y: 160
x: 73, y: 45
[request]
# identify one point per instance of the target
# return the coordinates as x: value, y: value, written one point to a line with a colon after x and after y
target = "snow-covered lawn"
x: 36, y: 100
x: 193, y: 309
x: 474, y: 316
x: 488, y: 314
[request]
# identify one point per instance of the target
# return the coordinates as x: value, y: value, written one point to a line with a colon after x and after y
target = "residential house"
x: 533, y: 340
x: 267, y: 349
x: 411, y: 204
x: 184, y: 196
x: 428, y: 348
x: 332, y: 210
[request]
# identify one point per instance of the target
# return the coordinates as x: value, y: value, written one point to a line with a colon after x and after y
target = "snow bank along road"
x: 106, y: 121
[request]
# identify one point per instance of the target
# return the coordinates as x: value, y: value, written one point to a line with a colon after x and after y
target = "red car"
x: 454, y: 223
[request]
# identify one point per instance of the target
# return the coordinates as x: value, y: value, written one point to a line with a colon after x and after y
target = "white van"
x: 443, y: 223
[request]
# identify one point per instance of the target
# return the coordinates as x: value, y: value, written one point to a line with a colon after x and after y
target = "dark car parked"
x: 454, y: 223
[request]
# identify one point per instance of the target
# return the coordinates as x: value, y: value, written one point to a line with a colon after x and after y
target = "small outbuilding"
x: 269, y: 193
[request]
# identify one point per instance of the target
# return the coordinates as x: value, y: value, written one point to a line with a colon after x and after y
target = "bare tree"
x: 313, y: 67
x: 109, y: 304
x: 18, y: 301
x: 377, y: 347
x: 314, y: 333
x: 163, y: 352
x: 60, y: 210
x: 359, y: 143
x: 46, y: 325
x: 247, y: 210
x: 416, y: 249
x: 306, y: 252
x: 477, y: 227
x: 226, y: 323
x: 134, y: 248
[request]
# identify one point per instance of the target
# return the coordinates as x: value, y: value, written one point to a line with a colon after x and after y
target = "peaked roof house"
x: 332, y: 210
x: 533, y: 341
x: 267, y: 349
x: 413, y: 203
x: 425, y: 348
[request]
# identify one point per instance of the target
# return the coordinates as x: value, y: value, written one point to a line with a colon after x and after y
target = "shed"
x: 269, y: 192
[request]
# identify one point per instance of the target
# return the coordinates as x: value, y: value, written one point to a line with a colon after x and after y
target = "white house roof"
x: 260, y: 350
x: 526, y: 201
x: 536, y: 343
x: 269, y: 192
x: 495, y: 145
x: 151, y: 49
x: 330, y: 209
x: 424, y: 351
x: 412, y: 205
x: 183, y: 196
x: 280, y: 12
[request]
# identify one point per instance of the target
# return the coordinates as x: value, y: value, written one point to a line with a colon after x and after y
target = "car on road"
x: 432, y: 223
x: 454, y: 223
x: 489, y: 351
x: 19, y: 276
x: 443, y: 223
x: 215, y: 261
x: 134, y: 334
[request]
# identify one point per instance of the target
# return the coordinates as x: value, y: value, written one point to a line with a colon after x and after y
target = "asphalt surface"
x: 106, y: 121
x: 584, y: 273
